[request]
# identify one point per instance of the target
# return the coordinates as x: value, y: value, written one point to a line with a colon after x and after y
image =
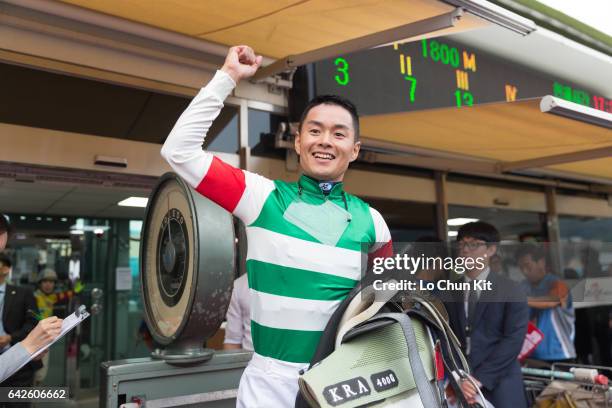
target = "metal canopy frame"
x: 590, y: 154
x: 496, y: 15
x: 413, y: 29
x: 480, y: 8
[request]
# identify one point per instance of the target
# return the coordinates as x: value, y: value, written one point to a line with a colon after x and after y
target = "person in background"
x: 17, y: 306
x: 45, y: 332
x: 550, y: 306
x: 496, y: 265
x: 238, y: 327
x: 46, y: 299
x: 5, y: 230
x: 598, y: 316
x: 491, y: 324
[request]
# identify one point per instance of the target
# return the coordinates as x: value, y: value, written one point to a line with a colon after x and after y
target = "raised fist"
x: 241, y: 62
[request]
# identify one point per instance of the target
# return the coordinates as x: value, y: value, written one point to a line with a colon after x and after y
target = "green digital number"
x: 463, y: 98
x: 343, y: 78
x: 444, y: 54
x: 441, y: 52
x: 434, y: 50
x: 454, y: 57
x: 468, y: 99
x: 413, y: 83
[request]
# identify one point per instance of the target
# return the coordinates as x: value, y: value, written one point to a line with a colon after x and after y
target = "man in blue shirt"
x: 550, y: 306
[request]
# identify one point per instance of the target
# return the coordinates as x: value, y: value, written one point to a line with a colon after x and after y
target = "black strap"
x: 450, y: 363
x: 426, y: 391
x: 448, y: 346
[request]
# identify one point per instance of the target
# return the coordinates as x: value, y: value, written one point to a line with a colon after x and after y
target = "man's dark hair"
x: 5, y: 261
x: 535, y: 251
x: 333, y: 100
x: 5, y: 226
x: 480, y: 230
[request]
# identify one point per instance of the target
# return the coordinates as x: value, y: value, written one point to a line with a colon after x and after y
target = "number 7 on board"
x: 413, y: 83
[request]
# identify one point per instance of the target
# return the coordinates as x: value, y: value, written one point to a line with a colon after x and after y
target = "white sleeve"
x: 183, y: 147
x: 240, y: 192
x: 233, y: 328
x: 383, y: 245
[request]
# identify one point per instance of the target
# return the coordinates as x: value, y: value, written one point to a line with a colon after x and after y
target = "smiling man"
x: 304, y: 238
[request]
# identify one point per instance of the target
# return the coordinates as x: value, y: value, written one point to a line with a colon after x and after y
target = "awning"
x: 290, y: 30
x: 500, y: 137
x: 275, y: 28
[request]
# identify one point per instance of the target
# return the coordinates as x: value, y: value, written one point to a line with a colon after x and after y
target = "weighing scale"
x: 188, y: 248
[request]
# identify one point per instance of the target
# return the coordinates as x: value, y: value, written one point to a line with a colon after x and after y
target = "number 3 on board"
x: 343, y: 77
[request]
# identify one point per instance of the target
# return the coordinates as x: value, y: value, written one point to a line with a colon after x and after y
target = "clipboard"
x: 68, y: 324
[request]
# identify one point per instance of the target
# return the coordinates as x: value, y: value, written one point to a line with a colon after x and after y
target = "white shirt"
x: 238, y: 328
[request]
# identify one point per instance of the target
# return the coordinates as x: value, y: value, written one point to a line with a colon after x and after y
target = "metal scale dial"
x: 187, y: 269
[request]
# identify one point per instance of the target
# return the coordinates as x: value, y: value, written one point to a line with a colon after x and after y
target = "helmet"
x: 47, y: 274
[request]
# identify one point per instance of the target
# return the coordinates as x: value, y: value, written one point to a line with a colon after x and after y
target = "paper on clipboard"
x: 68, y: 324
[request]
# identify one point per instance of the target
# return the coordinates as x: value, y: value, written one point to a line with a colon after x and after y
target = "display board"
x: 436, y: 73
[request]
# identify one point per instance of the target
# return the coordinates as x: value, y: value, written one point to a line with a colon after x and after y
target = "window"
x: 223, y: 135
x: 586, y: 244
x: 262, y: 128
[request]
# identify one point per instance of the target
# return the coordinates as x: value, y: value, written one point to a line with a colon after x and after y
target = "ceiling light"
x: 134, y: 202
x: 456, y: 222
x: 93, y: 228
x: 77, y: 232
x: 571, y: 110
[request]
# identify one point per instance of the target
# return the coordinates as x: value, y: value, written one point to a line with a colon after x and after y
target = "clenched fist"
x: 241, y: 62
x: 44, y: 333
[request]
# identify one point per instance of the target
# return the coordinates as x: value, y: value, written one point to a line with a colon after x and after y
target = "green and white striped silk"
x: 296, y: 282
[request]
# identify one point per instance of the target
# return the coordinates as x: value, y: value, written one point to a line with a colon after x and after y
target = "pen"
x: 35, y: 315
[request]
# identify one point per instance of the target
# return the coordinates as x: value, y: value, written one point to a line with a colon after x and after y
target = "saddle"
x: 385, y: 349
